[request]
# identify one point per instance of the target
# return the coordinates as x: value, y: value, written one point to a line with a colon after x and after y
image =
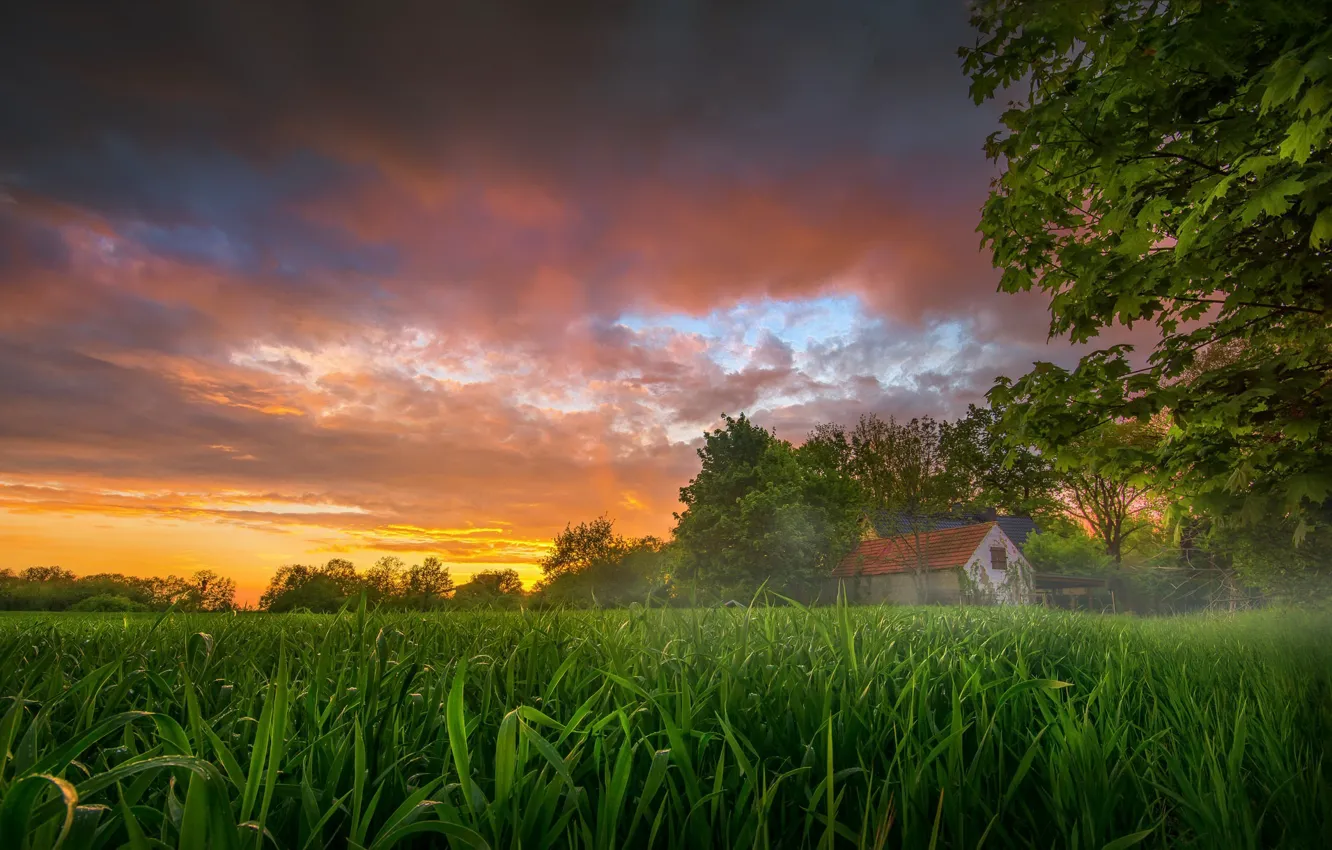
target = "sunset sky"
x: 286, y: 281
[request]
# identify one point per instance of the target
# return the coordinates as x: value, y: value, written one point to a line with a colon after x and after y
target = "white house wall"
x: 1007, y: 583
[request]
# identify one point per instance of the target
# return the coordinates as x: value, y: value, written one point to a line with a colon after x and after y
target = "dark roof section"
x: 1018, y: 528
x: 890, y: 524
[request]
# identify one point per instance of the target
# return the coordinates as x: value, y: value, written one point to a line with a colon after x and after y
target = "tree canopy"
x: 760, y: 511
x: 983, y: 470
x: 53, y: 588
x: 591, y: 564
x: 1167, y: 162
x: 579, y: 547
x: 491, y: 587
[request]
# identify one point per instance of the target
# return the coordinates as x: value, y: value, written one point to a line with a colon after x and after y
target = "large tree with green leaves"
x: 1104, y: 485
x: 496, y: 587
x: 581, y: 546
x: 1168, y: 161
x: 760, y: 510
x: 591, y: 564
x: 982, y: 469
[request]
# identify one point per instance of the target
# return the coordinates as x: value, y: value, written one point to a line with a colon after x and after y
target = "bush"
x: 636, y: 576
x: 1070, y: 552
x: 108, y: 602
x: 318, y: 594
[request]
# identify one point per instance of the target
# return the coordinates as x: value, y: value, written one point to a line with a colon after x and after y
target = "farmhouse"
x: 976, y: 562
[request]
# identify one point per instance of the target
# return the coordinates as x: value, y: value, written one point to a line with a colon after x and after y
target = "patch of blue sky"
x: 951, y: 335
x: 800, y: 323
x: 733, y: 332
x: 678, y: 322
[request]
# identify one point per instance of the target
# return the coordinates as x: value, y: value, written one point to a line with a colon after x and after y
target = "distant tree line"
x: 390, y: 583
x: 52, y: 588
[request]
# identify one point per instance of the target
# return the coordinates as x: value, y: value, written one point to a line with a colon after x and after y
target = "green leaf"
x: 1286, y: 80
x: 1272, y: 200
x: 1031, y: 684
x: 20, y: 806
x: 1128, y: 840
x: 57, y: 761
x: 456, y: 722
x: 83, y: 832
x: 1303, y: 138
x: 1322, y: 229
x: 455, y: 832
x: 1310, y: 486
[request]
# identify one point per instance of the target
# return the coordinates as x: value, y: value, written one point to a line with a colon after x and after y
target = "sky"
x: 282, y: 281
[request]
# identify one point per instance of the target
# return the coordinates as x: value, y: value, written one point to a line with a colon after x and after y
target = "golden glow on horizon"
x: 88, y: 540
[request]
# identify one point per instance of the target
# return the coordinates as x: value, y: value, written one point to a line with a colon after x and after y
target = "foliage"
x: 909, y: 463
x: 47, y: 574
x: 1267, y: 557
x: 591, y: 565
x: 640, y: 575
x: 426, y: 584
x: 768, y: 727
x: 761, y: 511
x: 491, y: 587
x: 579, y: 547
x: 108, y: 602
x: 1072, y: 552
x: 298, y: 586
x: 897, y: 466
x: 327, y: 588
x: 1168, y: 163
x: 1105, y: 484
x: 58, y: 589
x: 207, y: 591
x: 383, y: 581
x: 984, y: 471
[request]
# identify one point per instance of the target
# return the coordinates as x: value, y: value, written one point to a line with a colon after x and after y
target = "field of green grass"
x: 768, y: 727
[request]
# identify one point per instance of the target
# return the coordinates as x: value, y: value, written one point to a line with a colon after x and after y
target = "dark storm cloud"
x: 570, y: 80
x: 808, y: 139
x: 27, y: 246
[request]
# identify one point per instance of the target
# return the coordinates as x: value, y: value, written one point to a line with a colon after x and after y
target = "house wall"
x: 940, y: 587
x: 1011, y: 585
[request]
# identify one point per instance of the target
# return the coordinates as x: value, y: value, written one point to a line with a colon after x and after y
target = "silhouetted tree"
x: 499, y: 586
x: 579, y: 547
x: 51, y: 574
x: 427, y: 584
x: 383, y: 581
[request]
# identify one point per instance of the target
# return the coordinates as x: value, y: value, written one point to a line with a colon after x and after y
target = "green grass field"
x: 874, y: 727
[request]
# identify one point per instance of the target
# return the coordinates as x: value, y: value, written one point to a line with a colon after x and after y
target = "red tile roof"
x: 943, y: 549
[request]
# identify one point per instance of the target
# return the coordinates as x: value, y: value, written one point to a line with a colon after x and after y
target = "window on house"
x: 999, y: 558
